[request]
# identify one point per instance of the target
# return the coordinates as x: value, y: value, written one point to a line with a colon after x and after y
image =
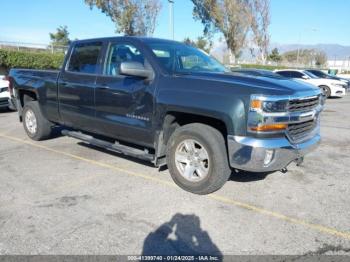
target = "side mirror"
x: 131, y: 68
x: 305, y: 77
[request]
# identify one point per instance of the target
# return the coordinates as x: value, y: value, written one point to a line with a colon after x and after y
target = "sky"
x: 292, y: 21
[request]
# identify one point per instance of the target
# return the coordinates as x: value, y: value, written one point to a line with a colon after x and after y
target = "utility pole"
x: 171, y: 18
x: 298, y: 53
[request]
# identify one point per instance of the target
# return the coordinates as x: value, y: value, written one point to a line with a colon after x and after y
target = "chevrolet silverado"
x: 171, y: 104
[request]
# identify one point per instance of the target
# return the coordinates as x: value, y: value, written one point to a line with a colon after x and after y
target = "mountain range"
x: 333, y: 51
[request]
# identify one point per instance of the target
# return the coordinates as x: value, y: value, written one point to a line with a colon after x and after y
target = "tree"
x: 204, y: 44
x: 61, y: 37
x: 201, y: 43
x: 275, y: 56
x: 306, y: 57
x: 260, y: 22
x: 230, y: 17
x: 131, y: 17
x: 189, y: 41
x: 320, y: 58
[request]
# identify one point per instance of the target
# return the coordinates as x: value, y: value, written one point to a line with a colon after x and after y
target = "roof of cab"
x: 138, y: 38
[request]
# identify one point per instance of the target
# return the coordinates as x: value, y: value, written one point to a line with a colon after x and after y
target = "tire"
x: 326, y: 91
x: 35, y: 124
x: 209, y: 175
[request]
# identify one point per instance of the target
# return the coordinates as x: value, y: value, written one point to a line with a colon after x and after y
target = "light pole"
x: 171, y: 18
x: 298, y: 49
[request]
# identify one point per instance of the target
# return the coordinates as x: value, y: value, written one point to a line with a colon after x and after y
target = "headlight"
x: 337, y: 85
x: 261, y: 118
x: 268, y: 105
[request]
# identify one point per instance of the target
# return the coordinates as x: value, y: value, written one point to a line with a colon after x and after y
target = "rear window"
x: 295, y: 74
x: 284, y: 73
x: 84, y: 58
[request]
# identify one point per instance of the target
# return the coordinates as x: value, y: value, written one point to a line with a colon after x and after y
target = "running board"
x: 122, y: 149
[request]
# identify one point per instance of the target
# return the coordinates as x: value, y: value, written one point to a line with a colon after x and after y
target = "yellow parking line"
x: 321, y: 228
x: 94, y: 162
x: 317, y: 227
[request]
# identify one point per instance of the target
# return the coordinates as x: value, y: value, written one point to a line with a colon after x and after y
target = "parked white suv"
x: 4, y: 92
x: 330, y: 87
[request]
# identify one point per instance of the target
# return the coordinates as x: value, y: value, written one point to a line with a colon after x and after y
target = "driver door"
x: 124, y: 104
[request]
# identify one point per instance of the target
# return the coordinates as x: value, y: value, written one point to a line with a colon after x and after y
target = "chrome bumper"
x: 250, y: 154
x: 12, y: 104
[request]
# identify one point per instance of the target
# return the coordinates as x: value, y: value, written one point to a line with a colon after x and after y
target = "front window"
x: 181, y: 58
x: 119, y: 53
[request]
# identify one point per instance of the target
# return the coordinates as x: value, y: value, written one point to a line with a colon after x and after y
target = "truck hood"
x: 261, y: 84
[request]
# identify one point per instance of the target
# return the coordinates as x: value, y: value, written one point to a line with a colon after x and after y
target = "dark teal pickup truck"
x: 171, y: 104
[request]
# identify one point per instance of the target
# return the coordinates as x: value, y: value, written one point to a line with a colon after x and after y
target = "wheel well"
x: 173, y: 120
x: 324, y: 86
x: 26, y: 96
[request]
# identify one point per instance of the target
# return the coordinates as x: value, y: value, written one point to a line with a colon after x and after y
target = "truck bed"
x: 46, y: 75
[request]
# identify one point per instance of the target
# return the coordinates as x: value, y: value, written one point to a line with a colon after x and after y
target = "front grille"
x: 305, y: 104
x: 299, y: 131
x: 3, y: 101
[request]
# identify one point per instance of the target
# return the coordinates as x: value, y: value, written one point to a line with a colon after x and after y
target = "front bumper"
x: 249, y: 154
x: 338, y: 91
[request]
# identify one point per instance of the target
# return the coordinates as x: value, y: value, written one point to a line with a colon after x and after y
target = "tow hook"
x: 299, y: 161
x: 284, y: 170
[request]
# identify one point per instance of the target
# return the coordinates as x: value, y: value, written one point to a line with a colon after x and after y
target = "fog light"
x: 268, y: 157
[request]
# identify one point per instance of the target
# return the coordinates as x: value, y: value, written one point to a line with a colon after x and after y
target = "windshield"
x: 310, y: 74
x: 181, y: 58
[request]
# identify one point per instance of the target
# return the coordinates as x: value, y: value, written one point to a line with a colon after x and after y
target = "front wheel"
x: 326, y: 91
x: 197, y: 158
x: 35, y: 124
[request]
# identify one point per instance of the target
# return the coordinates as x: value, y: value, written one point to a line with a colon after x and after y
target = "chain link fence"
x: 32, y: 47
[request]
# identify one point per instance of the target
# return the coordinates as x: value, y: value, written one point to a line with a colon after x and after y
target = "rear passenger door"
x: 76, y: 85
x: 124, y: 104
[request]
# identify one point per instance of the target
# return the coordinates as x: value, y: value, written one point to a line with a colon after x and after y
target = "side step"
x: 125, y: 150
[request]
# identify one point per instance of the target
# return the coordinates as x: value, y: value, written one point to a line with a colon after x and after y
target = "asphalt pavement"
x: 61, y: 196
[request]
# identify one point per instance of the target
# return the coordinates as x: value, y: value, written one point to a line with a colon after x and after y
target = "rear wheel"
x: 197, y: 158
x: 35, y: 124
x: 326, y: 91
